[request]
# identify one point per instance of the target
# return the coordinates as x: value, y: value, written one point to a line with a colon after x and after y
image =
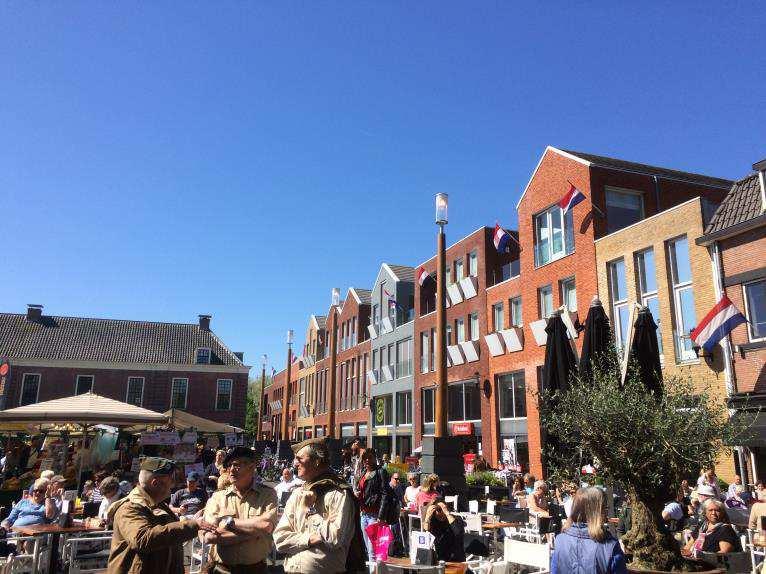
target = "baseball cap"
x: 193, y: 476
x: 158, y: 465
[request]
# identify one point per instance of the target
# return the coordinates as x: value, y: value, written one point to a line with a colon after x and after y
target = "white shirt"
x: 673, y: 510
x: 411, y: 494
x: 104, y: 506
x: 286, y: 486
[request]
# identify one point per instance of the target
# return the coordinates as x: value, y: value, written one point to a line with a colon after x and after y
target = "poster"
x: 185, y: 452
x: 168, y: 438
x: 213, y: 442
x: 150, y: 438
x: 135, y: 465
x: 190, y: 437
x: 230, y: 439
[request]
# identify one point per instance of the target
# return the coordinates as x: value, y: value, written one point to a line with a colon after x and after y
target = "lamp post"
x: 258, y: 431
x: 286, y: 401
x: 440, y: 406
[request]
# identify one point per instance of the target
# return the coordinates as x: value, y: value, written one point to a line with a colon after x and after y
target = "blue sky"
x: 160, y: 160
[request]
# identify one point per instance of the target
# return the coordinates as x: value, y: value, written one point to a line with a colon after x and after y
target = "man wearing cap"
x: 190, y: 500
x: 148, y: 536
x: 245, y: 514
x: 320, y: 531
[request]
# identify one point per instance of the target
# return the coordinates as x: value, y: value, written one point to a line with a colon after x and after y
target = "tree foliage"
x: 253, y: 403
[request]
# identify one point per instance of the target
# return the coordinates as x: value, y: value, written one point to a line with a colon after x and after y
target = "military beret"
x: 319, y: 442
x: 158, y: 465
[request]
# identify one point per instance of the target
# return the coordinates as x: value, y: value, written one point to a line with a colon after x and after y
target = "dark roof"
x: 741, y: 204
x: 321, y: 321
x: 108, y: 340
x: 403, y: 272
x: 364, y: 294
x: 610, y: 162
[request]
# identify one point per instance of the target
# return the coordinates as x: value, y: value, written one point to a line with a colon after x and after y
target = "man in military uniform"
x: 246, y: 514
x: 148, y: 536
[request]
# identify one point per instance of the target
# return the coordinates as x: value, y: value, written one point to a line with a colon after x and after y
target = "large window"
x: 512, y: 395
x: 618, y: 292
x: 178, y: 392
x: 425, y: 351
x: 428, y: 405
x: 464, y: 402
x: 755, y: 308
x: 135, y: 394
x: 554, y: 235
x: 404, y: 408
x: 498, y: 318
x: 473, y: 326
x: 460, y: 330
x: 516, y: 317
x: 30, y: 389
x: 84, y: 384
x: 473, y: 264
x: 647, y: 286
x: 545, y: 296
x: 458, y: 270
x: 623, y: 208
x: 683, y: 297
x: 223, y: 395
x: 404, y: 358
x: 569, y: 294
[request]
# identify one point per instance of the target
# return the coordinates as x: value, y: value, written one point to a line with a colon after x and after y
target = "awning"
x: 181, y: 420
x: 754, y: 428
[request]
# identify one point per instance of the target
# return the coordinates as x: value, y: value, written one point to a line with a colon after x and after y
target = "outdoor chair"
x: 383, y: 568
x: 473, y: 523
x: 35, y: 558
x: 451, y: 500
x: 528, y: 554
x: 757, y: 553
x: 473, y: 506
x: 488, y: 567
x: 491, y: 507
x: 87, y: 553
x: 732, y: 562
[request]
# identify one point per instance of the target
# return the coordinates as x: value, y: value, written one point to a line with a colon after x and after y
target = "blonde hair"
x: 47, y: 474
x: 41, y: 483
x: 429, y: 482
x: 588, y: 507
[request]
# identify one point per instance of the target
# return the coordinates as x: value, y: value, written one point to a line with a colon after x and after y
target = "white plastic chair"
x: 473, y: 506
x: 451, y: 500
x: 491, y: 507
x: 528, y: 554
x: 756, y: 552
x: 473, y: 523
x: 86, y: 554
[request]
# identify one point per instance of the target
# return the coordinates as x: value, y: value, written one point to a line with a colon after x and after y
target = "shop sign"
x: 380, y: 411
x: 381, y: 431
x: 462, y: 428
x: 5, y: 373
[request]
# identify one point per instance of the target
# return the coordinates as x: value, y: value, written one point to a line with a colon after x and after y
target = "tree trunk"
x: 652, y: 547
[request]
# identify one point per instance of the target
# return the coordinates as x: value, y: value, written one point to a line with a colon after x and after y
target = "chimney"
x: 204, y: 322
x: 34, y: 312
x: 760, y: 167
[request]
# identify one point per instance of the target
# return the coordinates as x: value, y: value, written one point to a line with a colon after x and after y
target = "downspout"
x: 656, y: 193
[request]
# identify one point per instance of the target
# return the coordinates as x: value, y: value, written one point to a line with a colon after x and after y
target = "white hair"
x: 145, y: 477
x: 47, y: 474
x: 41, y: 483
x: 541, y: 484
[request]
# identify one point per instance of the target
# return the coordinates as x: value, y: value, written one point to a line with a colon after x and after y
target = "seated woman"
x: 39, y: 508
x: 716, y: 534
x: 537, y: 502
x: 448, y: 531
x: 427, y: 492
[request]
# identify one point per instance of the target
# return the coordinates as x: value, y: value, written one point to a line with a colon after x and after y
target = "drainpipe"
x: 657, y: 192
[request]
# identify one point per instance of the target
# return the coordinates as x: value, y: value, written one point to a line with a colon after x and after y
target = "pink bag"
x: 381, y: 537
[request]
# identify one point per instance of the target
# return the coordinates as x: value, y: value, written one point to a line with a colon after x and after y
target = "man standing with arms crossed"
x: 245, y: 514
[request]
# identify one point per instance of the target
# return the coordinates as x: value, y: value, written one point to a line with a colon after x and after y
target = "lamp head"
x: 290, y: 337
x: 442, y: 202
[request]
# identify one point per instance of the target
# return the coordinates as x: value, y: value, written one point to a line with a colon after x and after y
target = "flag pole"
x: 593, y: 206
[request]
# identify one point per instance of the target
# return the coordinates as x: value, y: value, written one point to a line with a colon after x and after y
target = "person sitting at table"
x: 427, y: 492
x: 537, y: 502
x: 110, y: 490
x: 448, y: 531
x: 39, y: 508
x: 584, y: 545
x: 412, y: 490
x: 529, y: 483
x: 716, y: 533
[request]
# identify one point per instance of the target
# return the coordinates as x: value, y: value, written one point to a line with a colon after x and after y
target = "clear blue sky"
x: 164, y: 159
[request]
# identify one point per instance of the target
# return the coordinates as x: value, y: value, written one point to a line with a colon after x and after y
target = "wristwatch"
x: 227, y: 523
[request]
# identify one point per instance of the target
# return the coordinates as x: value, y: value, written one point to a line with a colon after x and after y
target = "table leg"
x: 54, y: 553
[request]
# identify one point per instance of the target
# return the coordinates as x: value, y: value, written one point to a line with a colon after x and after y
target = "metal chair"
x: 755, y: 551
x: 33, y: 556
x: 86, y: 553
x: 733, y: 562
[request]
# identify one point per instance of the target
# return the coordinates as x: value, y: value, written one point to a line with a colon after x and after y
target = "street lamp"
x: 440, y: 406
x: 264, y: 361
x: 286, y: 396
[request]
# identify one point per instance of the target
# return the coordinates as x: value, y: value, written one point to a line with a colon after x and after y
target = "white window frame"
x: 495, y: 308
x: 563, y: 284
x: 513, y: 374
x: 23, y: 380
x: 520, y: 318
x: 473, y: 263
x: 461, y: 265
x: 209, y: 355
x: 425, y: 351
x: 750, y: 336
x: 408, y: 408
x: 624, y: 191
x: 92, y: 383
x: 127, y: 391
x: 540, y: 299
x: 459, y: 330
x: 231, y: 392
x: 186, y: 392
x: 566, y: 248
x: 681, y: 330
x: 473, y: 326
x: 617, y: 304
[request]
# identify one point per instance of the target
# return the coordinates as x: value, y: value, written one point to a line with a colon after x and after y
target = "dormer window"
x: 203, y: 356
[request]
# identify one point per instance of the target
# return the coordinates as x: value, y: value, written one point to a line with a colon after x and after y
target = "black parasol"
x: 645, y: 351
x: 560, y: 360
x: 597, y: 339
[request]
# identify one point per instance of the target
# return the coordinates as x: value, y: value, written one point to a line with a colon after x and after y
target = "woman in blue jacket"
x: 585, y: 546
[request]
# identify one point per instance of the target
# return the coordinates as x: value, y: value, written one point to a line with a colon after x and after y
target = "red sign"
x: 4, y: 369
x: 462, y: 428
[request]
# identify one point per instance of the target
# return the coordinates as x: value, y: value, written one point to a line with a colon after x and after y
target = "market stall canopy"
x: 183, y: 421
x: 83, y: 410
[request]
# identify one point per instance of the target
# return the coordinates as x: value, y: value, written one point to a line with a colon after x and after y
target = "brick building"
x: 736, y: 239
x: 154, y: 365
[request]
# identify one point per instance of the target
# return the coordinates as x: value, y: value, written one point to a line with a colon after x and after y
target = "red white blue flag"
x: 718, y: 323
x: 501, y: 238
x: 422, y: 276
x: 571, y: 198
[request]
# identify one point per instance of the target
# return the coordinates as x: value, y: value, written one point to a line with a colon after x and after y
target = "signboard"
x: 160, y: 438
x: 381, y: 431
x: 230, y: 439
x: 190, y: 437
x: 150, y: 438
x: 462, y: 428
x: 380, y: 411
x: 185, y: 452
x: 5, y: 374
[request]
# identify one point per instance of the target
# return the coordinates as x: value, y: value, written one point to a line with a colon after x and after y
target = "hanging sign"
x: 5, y: 374
x: 190, y: 437
x: 230, y: 439
x: 462, y: 428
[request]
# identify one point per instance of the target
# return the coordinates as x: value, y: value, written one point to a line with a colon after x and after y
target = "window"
x: 755, y: 308
x: 223, y: 394
x: 376, y: 317
x: 458, y: 270
x: 463, y: 402
x: 683, y: 297
x: 203, y: 356
x: 647, y: 286
x: 353, y: 331
x: 449, y: 275
x: 473, y: 264
x: 428, y: 405
x: 618, y: 291
x: 135, y: 394
x: 554, y: 235
x: 498, y: 323
x: 375, y: 364
x: 178, y: 392
x: 404, y: 408
x: 449, y: 335
x: 425, y: 351
x: 473, y: 326
x: 512, y: 395
x: 460, y: 330
x: 84, y: 384
x: 404, y: 358
x: 569, y: 294
x: 30, y: 389
x: 516, y: 318
x: 623, y: 208
x: 545, y: 295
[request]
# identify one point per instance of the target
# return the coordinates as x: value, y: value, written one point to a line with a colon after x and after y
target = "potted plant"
x: 646, y: 442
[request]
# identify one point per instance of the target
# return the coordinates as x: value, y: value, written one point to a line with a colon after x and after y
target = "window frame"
x: 639, y: 264
x: 461, y: 265
x: 540, y: 300
x: 498, y: 307
x: 231, y: 393
x: 408, y: 408
x: 473, y: 319
x: 431, y: 392
x: 616, y: 305
x: 463, y: 384
x: 511, y: 304
x: 209, y: 356
x: 750, y: 337
x: 513, y: 375
x: 127, y: 391
x: 460, y: 330
x: 567, y: 234
x: 23, y: 381
x: 186, y: 392
x: 77, y: 383
x: 473, y: 263
x: 681, y: 332
x: 563, y: 283
x: 623, y: 191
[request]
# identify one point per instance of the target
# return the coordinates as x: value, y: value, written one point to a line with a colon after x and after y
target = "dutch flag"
x: 571, y: 198
x: 501, y: 238
x: 422, y: 276
x: 718, y: 323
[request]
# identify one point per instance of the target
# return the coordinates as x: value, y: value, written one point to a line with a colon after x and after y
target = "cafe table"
x: 55, y: 531
x: 495, y: 527
x: 450, y: 567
